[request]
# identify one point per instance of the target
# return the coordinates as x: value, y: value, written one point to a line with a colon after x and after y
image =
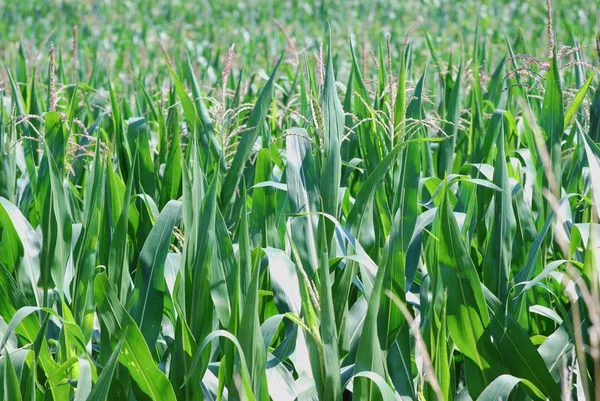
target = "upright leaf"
x: 148, y: 311
x: 498, y: 255
x: 135, y: 355
x: 468, y: 317
x: 244, y: 148
x: 333, y: 117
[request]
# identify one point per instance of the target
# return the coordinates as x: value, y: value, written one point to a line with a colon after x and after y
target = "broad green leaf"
x: 245, y: 381
x: 197, y: 257
x: 117, y: 269
x: 84, y: 381
x: 56, y: 223
x: 552, y: 119
x: 284, y: 281
x: 329, y: 337
x: 520, y: 356
x: 501, y: 388
x: 303, y: 193
x: 143, y: 169
x: 333, y: 117
x: 555, y: 350
x: 87, y: 245
x: 135, y: 355
x: 369, y: 354
x: 27, y: 261
x: 264, y: 202
x: 385, y: 392
x: 468, y: 318
x: 14, y: 308
x: 148, y: 311
x: 498, y: 255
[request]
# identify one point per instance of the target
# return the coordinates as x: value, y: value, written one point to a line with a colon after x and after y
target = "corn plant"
x: 334, y: 231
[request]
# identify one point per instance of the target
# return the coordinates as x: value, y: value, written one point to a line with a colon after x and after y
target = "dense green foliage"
x: 394, y: 218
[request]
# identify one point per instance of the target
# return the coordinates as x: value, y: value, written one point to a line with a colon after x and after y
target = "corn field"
x: 328, y: 217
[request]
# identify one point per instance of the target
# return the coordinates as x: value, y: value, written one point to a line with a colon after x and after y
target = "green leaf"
x: 284, y: 281
x: 578, y: 100
x: 87, y: 244
x: 446, y: 152
x: 250, y: 338
x: 468, y: 317
x: 148, y: 311
x: 593, y: 156
x: 498, y: 255
x: 552, y: 120
x: 264, y: 202
x: 369, y: 355
x: 56, y: 224
x: 245, y: 381
x: 367, y: 133
x: 244, y: 148
x: 143, y: 169
x: 555, y: 350
x: 135, y: 355
x: 14, y: 308
x: 595, y: 117
x: 501, y: 388
x: 385, y: 392
x: 203, y: 114
x: 84, y: 381
x: 333, y: 117
x: 27, y: 261
x: 100, y: 390
x: 329, y: 337
x: 303, y: 192
x: 198, y: 257
x: 117, y: 269
x: 10, y: 382
x: 520, y: 356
